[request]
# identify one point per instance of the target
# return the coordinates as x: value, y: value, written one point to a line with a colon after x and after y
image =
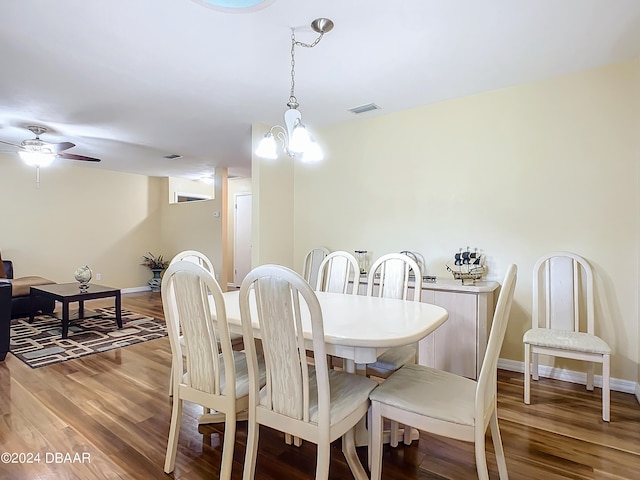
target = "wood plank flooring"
x: 114, y: 407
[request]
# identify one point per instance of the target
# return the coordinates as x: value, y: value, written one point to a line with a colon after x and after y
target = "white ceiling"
x: 129, y: 81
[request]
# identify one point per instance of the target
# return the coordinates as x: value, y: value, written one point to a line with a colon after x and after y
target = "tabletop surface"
x: 361, y: 321
x: 73, y: 289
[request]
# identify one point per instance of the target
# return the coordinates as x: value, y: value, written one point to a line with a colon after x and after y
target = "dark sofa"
x: 5, y: 317
x: 20, y: 304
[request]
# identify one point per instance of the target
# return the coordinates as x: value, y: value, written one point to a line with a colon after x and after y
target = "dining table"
x: 357, y: 328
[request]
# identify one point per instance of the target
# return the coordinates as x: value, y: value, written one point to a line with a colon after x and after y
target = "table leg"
x: 65, y: 318
x: 118, y: 309
x: 80, y: 309
x: 361, y: 434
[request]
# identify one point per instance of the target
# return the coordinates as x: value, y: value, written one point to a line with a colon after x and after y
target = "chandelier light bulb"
x: 267, y: 147
x: 300, y: 139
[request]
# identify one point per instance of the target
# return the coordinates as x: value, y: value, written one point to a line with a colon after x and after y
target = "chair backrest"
x: 563, y: 293
x: 196, y: 257
x: 186, y: 292
x: 276, y: 300
x: 391, y: 273
x: 487, y: 380
x: 312, y: 262
x: 336, y: 271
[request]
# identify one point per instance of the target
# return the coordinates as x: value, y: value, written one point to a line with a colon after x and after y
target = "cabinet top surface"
x: 450, y: 285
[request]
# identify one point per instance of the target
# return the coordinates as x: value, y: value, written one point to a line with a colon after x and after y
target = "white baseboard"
x: 135, y: 289
x: 616, y: 384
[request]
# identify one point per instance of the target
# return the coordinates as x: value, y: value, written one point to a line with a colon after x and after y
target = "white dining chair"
x: 338, y: 271
x: 201, y: 259
x: 303, y: 399
x: 216, y: 376
x: 196, y: 257
x: 447, y: 404
x: 563, y: 321
x: 389, y: 278
x: 312, y: 261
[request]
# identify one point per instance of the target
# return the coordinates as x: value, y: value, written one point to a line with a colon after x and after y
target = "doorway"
x: 241, y: 237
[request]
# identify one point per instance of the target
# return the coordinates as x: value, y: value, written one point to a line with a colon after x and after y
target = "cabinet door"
x: 452, y: 346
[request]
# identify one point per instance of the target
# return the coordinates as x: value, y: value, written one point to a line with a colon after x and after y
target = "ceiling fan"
x: 40, y: 147
x: 38, y: 153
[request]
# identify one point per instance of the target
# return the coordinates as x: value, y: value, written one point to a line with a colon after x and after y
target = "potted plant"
x: 156, y: 264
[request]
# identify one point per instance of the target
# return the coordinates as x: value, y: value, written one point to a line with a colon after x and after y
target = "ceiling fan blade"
x: 72, y: 156
x: 59, y: 147
x: 12, y: 144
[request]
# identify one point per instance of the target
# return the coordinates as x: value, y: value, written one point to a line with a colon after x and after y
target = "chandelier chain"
x: 293, y: 101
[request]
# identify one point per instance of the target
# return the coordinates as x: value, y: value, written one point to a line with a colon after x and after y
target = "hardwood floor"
x: 114, y: 407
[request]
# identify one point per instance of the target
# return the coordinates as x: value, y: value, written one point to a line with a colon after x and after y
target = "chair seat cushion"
x: 394, y: 358
x: 347, y: 392
x: 429, y: 392
x: 566, y: 340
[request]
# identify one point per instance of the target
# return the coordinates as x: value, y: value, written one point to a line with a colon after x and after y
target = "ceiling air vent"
x: 173, y: 156
x: 364, y: 108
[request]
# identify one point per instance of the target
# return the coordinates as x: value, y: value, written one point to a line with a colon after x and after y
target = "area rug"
x: 40, y: 343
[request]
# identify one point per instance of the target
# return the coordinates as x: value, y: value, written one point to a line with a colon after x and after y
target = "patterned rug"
x: 40, y: 343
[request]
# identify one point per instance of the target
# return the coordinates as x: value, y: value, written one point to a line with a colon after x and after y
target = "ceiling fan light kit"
x: 38, y: 153
x: 296, y: 140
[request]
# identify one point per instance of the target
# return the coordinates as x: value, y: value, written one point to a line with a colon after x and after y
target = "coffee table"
x: 70, y: 292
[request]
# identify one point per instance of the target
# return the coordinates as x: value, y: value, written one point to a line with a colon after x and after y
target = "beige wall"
x: 272, y: 208
x: 104, y: 219
x: 78, y: 216
x: 516, y: 172
x: 195, y: 226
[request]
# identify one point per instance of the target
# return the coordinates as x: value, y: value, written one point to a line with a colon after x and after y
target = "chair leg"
x: 174, y: 431
x: 370, y: 433
x: 497, y: 446
x: 481, y: 454
x: 291, y: 440
x: 249, y: 470
x: 590, y: 369
x: 349, y: 451
x: 394, y: 434
x: 535, y: 371
x: 171, y: 380
x: 407, y: 435
x: 323, y: 460
x: 606, y: 393
x: 375, y: 444
x: 527, y: 373
x: 227, y: 446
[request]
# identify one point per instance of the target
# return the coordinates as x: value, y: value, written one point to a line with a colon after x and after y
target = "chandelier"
x: 296, y: 140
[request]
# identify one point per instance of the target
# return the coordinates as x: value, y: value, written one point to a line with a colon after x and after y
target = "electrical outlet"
x: 98, y: 276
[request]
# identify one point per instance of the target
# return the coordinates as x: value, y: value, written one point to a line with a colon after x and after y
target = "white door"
x: 242, y: 238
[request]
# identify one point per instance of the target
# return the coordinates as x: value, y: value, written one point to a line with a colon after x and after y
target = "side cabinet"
x: 458, y: 346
